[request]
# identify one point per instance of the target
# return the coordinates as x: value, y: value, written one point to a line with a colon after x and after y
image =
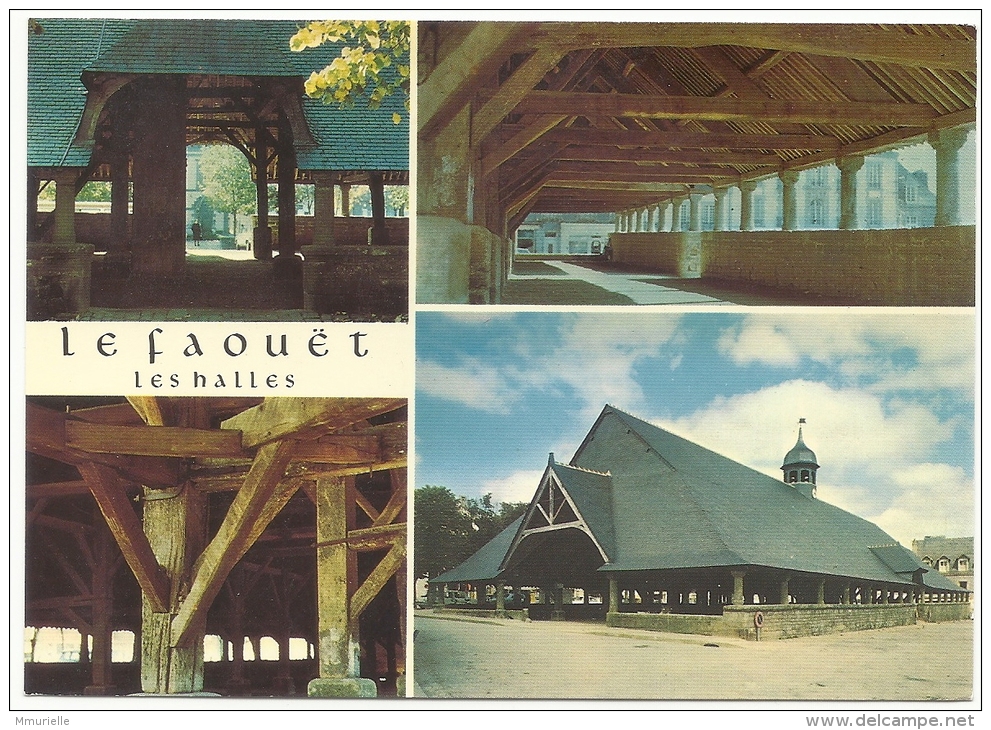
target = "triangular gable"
x: 553, y: 508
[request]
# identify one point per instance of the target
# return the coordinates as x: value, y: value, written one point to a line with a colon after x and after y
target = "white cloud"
x: 517, y: 487
x: 926, y: 349
x: 877, y: 459
x: 471, y: 383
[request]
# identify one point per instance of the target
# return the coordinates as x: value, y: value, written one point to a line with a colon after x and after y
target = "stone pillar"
x: 32, y: 211
x: 695, y: 211
x: 338, y: 656
x: 678, y: 202
x: 885, y: 593
x: 119, y: 243
x: 747, y: 189
x: 947, y: 144
x: 287, y: 264
x: 379, y: 234
x: 849, y: 166
x: 870, y: 595
x: 719, y: 214
x: 846, y: 594
x: 613, y: 595
x: 789, y: 200
x: 323, y: 210
x: 500, y: 598
x: 65, y: 205
x: 558, y: 613
x: 346, y: 200
x: 158, y: 240
x: 783, y: 596
x: 667, y: 219
x: 262, y: 235
x: 738, y: 598
x: 821, y: 591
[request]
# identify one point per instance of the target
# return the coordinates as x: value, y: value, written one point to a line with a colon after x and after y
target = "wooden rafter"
x: 727, y: 109
x: 126, y: 529
x: 153, y: 441
x: 377, y: 579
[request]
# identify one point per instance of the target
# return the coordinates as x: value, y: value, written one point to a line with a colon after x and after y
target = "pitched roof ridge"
x: 582, y: 468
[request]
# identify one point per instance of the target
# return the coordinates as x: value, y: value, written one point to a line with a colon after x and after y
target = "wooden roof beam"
x: 800, y: 111
x: 531, y: 133
x: 125, y: 526
x: 652, y: 155
x: 278, y: 418
x: 153, y: 440
x: 693, y: 140
x: 512, y: 90
x: 234, y: 536
x: 452, y: 82
x: 862, y: 42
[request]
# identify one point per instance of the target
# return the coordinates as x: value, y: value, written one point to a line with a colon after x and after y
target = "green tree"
x: 371, y: 47
x: 441, y: 528
x: 397, y: 198
x: 450, y: 528
x: 227, y: 181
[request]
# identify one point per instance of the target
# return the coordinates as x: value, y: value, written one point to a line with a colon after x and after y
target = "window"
x: 758, y: 204
x: 911, y: 193
x: 817, y: 213
x: 873, y: 175
x: 874, y: 213
x: 963, y: 564
x: 944, y: 565
x: 817, y: 177
x: 708, y: 216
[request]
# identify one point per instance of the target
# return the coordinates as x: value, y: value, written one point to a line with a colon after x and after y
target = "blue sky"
x: 888, y: 397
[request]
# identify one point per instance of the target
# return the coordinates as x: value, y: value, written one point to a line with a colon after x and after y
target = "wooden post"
x: 338, y: 641
x: 65, y: 205
x: 176, y: 526
x: 379, y: 234
x: 101, y: 682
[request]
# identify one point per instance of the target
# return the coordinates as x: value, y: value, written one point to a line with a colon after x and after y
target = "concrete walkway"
x: 498, y: 658
x: 632, y: 286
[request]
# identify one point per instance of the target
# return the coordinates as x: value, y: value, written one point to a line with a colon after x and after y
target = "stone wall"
x: 780, y: 621
x: 938, y: 612
x: 511, y: 613
x: 675, y: 623
x: 91, y: 228
x: 459, y: 264
x: 900, y: 267
x: 790, y: 621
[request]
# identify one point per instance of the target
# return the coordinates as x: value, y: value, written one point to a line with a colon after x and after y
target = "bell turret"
x: 800, y: 465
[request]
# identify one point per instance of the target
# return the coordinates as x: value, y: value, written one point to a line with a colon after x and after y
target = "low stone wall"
x: 791, y: 621
x: 676, y: 254
x: 900, y: 267
x: 939, y: 612
x: 674, y: 623
x: 516, y: 614
x: 780, y: 621
x: 369, y: 279
x: 59, y: 279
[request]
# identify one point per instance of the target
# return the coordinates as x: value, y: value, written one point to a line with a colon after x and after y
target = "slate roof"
x: 348, y: 140
x: 671, y: 504
x: 483, y: 565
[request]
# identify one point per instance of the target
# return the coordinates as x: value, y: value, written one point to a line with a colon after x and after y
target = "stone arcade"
x: 119, y: 100
x: 640, y: 119
x: 239, y: 518
x: 663, y: 534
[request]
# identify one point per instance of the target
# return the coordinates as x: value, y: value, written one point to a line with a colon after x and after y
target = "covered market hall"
x: 645, y: 529
x: 757, y: 156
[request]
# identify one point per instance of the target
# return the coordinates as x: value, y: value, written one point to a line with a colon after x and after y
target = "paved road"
x: 477, y: 658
